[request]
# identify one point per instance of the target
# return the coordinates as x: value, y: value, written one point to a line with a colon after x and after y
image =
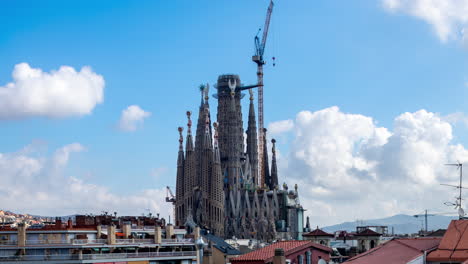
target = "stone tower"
x: 252, y: 146
x: 231, y: 132
x: 218, y: 179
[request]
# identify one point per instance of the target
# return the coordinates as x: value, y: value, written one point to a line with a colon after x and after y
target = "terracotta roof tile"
x: 368, y: 232
x: 454, y: 244
x: 268, y: 252
x: 396, y: 251
x: 318, y: 232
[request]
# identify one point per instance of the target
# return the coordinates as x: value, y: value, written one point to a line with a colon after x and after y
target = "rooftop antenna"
x: 458, y: 201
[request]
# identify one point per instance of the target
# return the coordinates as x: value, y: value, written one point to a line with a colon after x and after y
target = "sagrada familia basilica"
x: 220, y: 186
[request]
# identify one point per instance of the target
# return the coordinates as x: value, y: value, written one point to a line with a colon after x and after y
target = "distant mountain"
x: 402, y: 224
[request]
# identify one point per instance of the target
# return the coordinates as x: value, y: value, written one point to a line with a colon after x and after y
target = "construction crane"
x: 258, y: 59
x: 426, y: 215
x: 425, y: 218
x: 170, y: 198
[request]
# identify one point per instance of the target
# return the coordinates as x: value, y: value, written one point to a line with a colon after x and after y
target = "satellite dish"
x: 461, y: 212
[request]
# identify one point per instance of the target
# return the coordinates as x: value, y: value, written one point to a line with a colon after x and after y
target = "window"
x: 300, y: 259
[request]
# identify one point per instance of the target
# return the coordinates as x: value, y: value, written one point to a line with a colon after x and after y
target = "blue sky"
x: 358, y: 55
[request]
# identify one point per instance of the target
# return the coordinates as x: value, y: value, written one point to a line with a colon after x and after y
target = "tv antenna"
x: 458, y: 201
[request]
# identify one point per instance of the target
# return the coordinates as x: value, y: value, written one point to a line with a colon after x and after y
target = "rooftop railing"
x: 96, y: 241
x: 145, y: 255
x: 88, y: 241
x: 46, y: 241
x: 8, y: 242
x: 134, y: 241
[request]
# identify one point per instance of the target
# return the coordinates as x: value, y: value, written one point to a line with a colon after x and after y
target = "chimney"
x: 196, y: 233
x: 111, y: 234
x: 208, y: 256
x: 21, y: 235
x: 279, y: 257
x: 69, y: 223
x: 58, y: 222
x: 157, y: 235
x: 169, y: 231
x: 127, y: 230
x: 99, y: 231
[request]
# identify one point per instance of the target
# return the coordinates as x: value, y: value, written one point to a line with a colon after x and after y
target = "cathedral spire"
x: 190, y: 163
x: 202, y: 93
x: 274, y: 168
x: 206, y: 91
x: 203, y: 112
x: 266, y: 166
x: 207, y: 138
x: 215, y: 126
x: 252, y: 146
x: 216, y: 191
x: 180, y: 179
x: 181, y: 139
x: 189, y: 143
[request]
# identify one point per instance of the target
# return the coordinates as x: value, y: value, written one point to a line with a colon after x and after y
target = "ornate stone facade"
x: 218, y: 179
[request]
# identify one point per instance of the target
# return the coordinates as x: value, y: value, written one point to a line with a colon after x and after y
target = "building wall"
x: 218, y: 256
x: 364, y: 243
x: 418, y: 260
x: 319, y: 239
x: 314, y: 256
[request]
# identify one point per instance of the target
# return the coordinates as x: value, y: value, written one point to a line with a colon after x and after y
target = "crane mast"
x: 258, y: 59
x: 170, y: 198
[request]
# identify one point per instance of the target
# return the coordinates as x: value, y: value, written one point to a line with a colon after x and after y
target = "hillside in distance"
x: 401, y: 224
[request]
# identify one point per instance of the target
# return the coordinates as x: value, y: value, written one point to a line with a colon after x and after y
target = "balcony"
x: 96, y: 242
x: 111, y: 256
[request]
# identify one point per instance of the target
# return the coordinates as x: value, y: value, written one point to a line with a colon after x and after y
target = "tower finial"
x: 202, y: 91
x: 181, y: 138
x: 273, y: 148
x: 206, y: 91
x: 251, y: 94
x: 232, y: 87
x: 189, y: 123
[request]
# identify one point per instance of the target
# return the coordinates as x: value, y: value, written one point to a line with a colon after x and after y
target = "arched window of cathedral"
x: 372, y: 244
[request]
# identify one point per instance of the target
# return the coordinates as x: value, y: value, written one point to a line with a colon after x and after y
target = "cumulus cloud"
x: 34, y: 183
x: 449, y: 18
x: 132, y: 117
x: 350, y: 168
x: 280, y: 127
x: 61, y: 93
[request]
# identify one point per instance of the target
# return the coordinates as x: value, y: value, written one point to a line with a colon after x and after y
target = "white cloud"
x: 280, y: 127
x: 58, y: 94
x: 132, y: 117
x: 456, y: 118
x: 34, y: 183
x: 449, y: 18
x: 349, y: 168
